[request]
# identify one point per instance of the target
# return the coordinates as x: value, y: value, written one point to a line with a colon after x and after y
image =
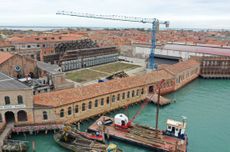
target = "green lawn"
x: 98, y: 71
x: 84, y: 75
x: 115, y: 67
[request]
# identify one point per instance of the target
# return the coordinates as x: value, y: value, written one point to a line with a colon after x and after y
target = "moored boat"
x: 74, y: 141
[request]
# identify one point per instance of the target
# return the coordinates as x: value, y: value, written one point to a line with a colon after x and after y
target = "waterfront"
x: 204, y: 102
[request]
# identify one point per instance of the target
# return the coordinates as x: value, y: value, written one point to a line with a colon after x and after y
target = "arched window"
x: 22, y: 115
x: 0, y: 117
x: 133, y: 93
x: 69, y: 111
x: 45, y: 116
x: 96, y: 103
x: 90, y: 105
x: 118, y: 97
x: 20, y: 99
x: 102, y: 101
x: 76, y: 109
x: 142, y: 91
x: 62, y: 113
x: 113, y: 98
x: 128, y: 94
x: 107, y: 100
x: 7, y: 100
x: 83, y: 107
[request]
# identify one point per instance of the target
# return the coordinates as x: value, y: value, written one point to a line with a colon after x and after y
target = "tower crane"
x: 155, y: 26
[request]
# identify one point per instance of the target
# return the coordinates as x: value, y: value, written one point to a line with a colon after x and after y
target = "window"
x: 142, y: 91
x: 76, y: 109
x: 96, y: 103
x: 90, y: 105
x: 45, y: 116
x: 102, y: 101
x: 7, y: 100
x: 28, y: 46
x: 20, y: 99
x: 62, y: 113
x: 83, y: 107
x: 123, y: 95
x: 133, y: 93
x: 107, y: 100
x: 0, y: 117
x: 113, y: 98
x: 128, y: 94
x: 118, y: 97
x: 137, y: 93
x: 69, y: 111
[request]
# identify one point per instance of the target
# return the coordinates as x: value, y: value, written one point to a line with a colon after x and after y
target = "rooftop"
x: 223, y: 51
x: 68, y: 96
x: 4, y: 56
x: 8, y: 83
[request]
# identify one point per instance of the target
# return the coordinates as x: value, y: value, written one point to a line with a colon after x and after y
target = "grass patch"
x: 84, y: 75
x: 115, y: 67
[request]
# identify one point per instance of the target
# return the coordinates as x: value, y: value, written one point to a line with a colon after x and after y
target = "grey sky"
x: 180, y: 13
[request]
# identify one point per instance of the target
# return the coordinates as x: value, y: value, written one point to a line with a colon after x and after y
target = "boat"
x: 74, y: 141
x: 14, y: 146
x: 97, y: 136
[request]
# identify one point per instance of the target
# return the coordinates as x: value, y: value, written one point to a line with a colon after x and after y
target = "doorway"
x: 9, y: 117
x: 151, y: 89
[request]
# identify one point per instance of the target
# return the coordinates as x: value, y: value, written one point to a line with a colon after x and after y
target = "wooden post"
x: 158, y: 103
x: 33, y: 146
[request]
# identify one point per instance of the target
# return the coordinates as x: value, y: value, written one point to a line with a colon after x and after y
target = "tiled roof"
x: 5, y: 44
x: 180, y: 67
x: 62, y: 97
x: 4, y: 56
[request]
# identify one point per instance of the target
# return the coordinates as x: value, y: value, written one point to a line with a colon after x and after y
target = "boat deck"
x: 143, y: 136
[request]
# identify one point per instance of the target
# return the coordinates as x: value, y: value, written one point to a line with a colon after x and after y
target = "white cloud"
x: 181, y: 13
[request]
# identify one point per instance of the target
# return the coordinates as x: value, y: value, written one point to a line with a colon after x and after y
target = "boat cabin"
x: 176, y: 128
x: 121, y: 120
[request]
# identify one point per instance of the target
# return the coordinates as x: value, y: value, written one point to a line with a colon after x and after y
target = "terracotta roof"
x: 180, y: 67
x: 5, y: 44
x: 4, y: 56
x: 62, y: 97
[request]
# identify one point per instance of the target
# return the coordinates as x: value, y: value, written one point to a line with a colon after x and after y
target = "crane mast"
x: 155, y: 26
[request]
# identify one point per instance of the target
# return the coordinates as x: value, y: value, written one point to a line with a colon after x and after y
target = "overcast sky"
x: 180, y: 13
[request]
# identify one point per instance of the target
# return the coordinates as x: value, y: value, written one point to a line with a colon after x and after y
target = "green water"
x: 205, y: 103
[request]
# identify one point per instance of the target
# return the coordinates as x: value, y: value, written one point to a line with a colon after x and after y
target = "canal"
x: 205, y: 103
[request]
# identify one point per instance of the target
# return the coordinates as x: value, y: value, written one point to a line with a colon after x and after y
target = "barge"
x: 173, y: 139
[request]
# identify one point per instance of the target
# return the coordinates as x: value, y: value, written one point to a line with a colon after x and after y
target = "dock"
x: 163, y: 101
x: 143, y: 136
x: 6, y: 132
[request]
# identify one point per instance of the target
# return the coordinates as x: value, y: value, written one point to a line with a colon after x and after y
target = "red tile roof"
x: 4, y: 56
x: 68, y: 96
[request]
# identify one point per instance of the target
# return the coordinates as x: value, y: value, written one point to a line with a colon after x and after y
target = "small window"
x: 45, y: 116
x: 28, y: 46
x: 107, y: 100
x: 137, y: 92
x: 62, y: 113
x: 83, y: 107
x: 142, y: 91
x: 76, y: 109
x: 0, y: 117
x: 69, y: 111
x: 38, y: 45
x: 113, y: 98
x: 133, y: 93
x: 128, y: 94
x: 118, y: 97
x: 96, y: 103
x: 90, y: 105
x: 7, y: 100
x: 123, y: 95
x: 20, y: 99
x: 102, y: 101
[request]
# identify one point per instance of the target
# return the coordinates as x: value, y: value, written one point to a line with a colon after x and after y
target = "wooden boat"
x: 14, y: 146
x: 97, y: 137
x: 75, y: 142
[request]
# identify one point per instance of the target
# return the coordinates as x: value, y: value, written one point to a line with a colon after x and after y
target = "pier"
x: 6, y: 132
x: 153, y: 98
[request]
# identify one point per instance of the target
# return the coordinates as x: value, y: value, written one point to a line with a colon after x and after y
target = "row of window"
x: 19, y: 98
x: 96, y: 103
